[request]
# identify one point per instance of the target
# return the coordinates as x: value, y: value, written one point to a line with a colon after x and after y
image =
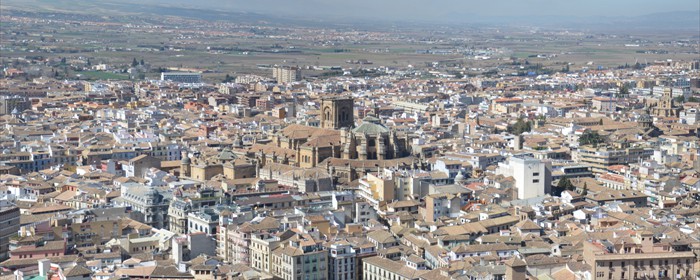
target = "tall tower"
x: 666, y: 106
x: 337, y: 112
x: 185, y: 166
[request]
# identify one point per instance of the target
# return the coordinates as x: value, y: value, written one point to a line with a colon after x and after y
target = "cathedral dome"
x: 186, y: 160
x: 645, y: 118
x: 371, y: 125
x: 460, y: 177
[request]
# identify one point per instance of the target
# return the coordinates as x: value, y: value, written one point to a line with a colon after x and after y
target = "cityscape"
x: 332, y: 140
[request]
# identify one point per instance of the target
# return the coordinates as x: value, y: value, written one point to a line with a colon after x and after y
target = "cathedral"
x: 665, y: 107
x: 307, y: 146
x: 372, y: 140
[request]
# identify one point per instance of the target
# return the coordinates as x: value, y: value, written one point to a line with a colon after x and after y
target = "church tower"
x: 337, y: 112
x: 185, y: 166
x: 666, y: 106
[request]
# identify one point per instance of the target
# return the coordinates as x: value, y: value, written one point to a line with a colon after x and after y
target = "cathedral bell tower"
x: 337, y: 112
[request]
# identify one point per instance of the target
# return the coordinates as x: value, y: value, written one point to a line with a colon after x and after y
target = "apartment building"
x: 286, y: 74
x: 9, y: 218
x: 204, y: 220
x: 300, y: 258
x: 376, y: 188
x: 343, y: 261
x: 602, y: 157
x: 17, y: 104
x: 261, y: 246
x: 235, y: 240
x: 641, y: 259
x: 532, y: 176
x: 441, y: 205
x: 380, y: 268
x: 181, y: 77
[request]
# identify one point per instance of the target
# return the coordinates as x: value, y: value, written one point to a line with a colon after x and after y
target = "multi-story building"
x: 204, y: 220
x: 380, y: 268
x: 138, y: 166
x: 342, y: 261
x: 532, y: 177
x: 690, y: 116
x: 177, y: 215
x: 13, y: 103
x: 151, y: 205
x: 604, y: 104
x: 601, y: 157
x: 261, y: 246
x: 441, y: 205
x: 40, y: 250
x: 235, y: 240
x: 571, y: 171
x: 9, y: 218
x: 27, y: 162
x: 181, y: 77
x: 377, y: 188
x: 165, y: 151
x: 300, y: 257
x: 364, y: 213
x: 641, y: 259
x: 286, y: 74
x: 481, y: 160
x: 450, y: 167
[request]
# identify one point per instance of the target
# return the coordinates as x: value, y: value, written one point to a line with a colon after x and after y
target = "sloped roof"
x: 78, y: 270
x: 371, y: 125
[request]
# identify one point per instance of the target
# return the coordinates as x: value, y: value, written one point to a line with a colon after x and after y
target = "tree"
x: 520, y: 127
x: 584, y: 192
x: 623, y: 91
x: 680, y: 99
x: 134, y: 63
x: 227, y: 79
x: 565, y: 184
x: 142, y: 63
x: 590, y: 138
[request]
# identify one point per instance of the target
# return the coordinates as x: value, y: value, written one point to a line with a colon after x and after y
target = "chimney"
x: 44, y: 267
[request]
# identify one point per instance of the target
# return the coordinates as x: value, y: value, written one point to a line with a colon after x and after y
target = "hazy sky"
x: 437, y: 9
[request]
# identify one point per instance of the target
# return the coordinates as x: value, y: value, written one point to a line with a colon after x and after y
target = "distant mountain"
x: 130, y: 7
x: 682, y: 21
